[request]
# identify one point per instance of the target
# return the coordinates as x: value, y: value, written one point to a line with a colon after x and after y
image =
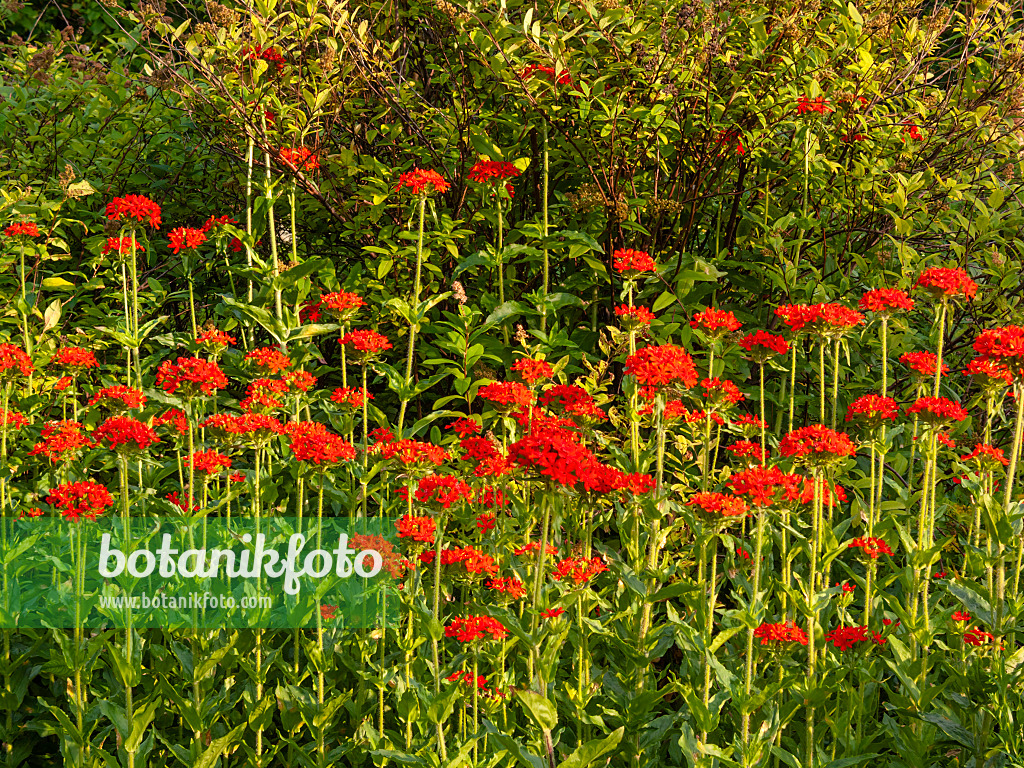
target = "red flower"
x: 991, y: 374
x: 873, y: 409
x: 819, y: 104
x: 138, y: 207
x: 715, y: 322
x: 121, y: 245
x: 14, y: 362
x: 119, y: 398
x: 299, y: 158
x: 22, y: 229
x: 214, y: 340
x: 322, y: 447
x: 751, y: 425
x: 349, y: 397
x: 732, y: 136
x: 885, y: 301
x: 208, y: 462
x: 1004, y: 346
x: 418, y: 181
x: 217, y: 221
x: 365, y: 343
x: 342, y: 304
x: 961, y: 616
x: 718, y: 506
x: 510, y: 586
x: 553, y: 613
x: 912, y: 131
x: 748, y: 451
x: 299, y: 381
x: 82, y: 499
x: 465, y: 427
x: 507, y: 395
x: 977, y: 637
x: 475, y: 628
x: 269, y: 55
x: 188, y: 238
x: 328, y: 612
x: 579, y: 570
x: 12, y: 419
x: 441, y: 490
x: 817, y: 444
x: 631, y: 263
x: 762, y: 485
x: 419, y: 529
x: 485, y: 522
x: 778, y: 634
x: 572, y: 401
x: 720, y: 393
x: 987, y: 456
x: 62, y: 441
x: 531, y: 370
x: 75, y: 358
x: 554, y: 455
x: 126, y: 435
x: 191, y: 375
x: 797, y: 316
x: 548, y: 73
x: 871, y: 546
x: 847, y: 638
x: 532, y: 548
x: 661, y: 366
x: 947, y: 281
x: 634, y: 317
x: 487, y: 170
x: 762, y: 345
x: 937, y: 410
x: 273, y: 360
x: 923, y: 363
x: 173, y: 417
x: 412, y: 452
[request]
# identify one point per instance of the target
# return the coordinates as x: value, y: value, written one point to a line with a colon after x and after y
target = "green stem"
x: 544, y: 192
x: 414, y: 308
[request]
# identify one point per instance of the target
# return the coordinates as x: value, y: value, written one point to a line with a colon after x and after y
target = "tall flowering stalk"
x: 421, y: 183
x: 631, y: 264
x: 19, y: 233
x: 495, y: 175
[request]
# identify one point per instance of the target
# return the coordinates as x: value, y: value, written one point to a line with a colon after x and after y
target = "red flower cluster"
x: 847, y: 638
x: 342, y: 304
x: 511, y: 586
x: 440, y: 490
x: 873, y: 409
x: 273, y: 360
x: 14, y: 362
x: 977, y: 637
x: 572, y: 401
x: 987, y: 456
x: 420, y: 529
x: 191, y: 375
x: 321, y: 447
x: 937, y: 410
x: 718, y: 506
x: 747, y: 451
x: 779, y: 634
x: 269, y: 55
x: 121, y: 245
x: 62, y: 441
x: 923, y: 363
x: 465, y: 427
x: 715, y: 322
x: 214, y: 340
x: 418, y: 180
x: 992, y: 375
x: 366, y: 343
x: 476, y: 628
x: 299, y: 158
x: 260, y: 394
x: 579, y: 570
x: 410, y: 452
x: 349, y: 396
x: 12, y: 419
x: 126, y: 435
x: 947, y: 281
x: 720, y: 393
x: 629, y: 262
x: 473, y: 561
x: 762, y: 345
x: 661, y: 366
x: 819, y: 104
x: 188, y: 238
x: 119, y: 398
x: 548, y: 73
x: 75, y: 357
x: 817, y: 444
x: 174, y: 418
x: 487, y: 170
x: 913, y: 132
x: 532, y: 371
x: 138, y: 207
x: 961, y: 616
x: 762, y: 485
x: 1003, y: 346
x: 82, y: 499
x: 508, y: 395
x: 22, y: 229
x: 532, y: 548
x: 208, y: 462
x: 885, y: 301
x: 871, y: 546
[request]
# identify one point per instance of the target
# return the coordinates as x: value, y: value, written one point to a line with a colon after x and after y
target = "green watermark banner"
x: 199, y: 573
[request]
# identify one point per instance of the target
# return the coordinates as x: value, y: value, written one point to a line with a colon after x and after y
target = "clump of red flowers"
x: 579, y: 570
x: 208, y: 462
x: 419, y: 181
x: 872, y: 409
x: 1003, y: 346
x: 126, y: 435
x: 532, y: 370
x: 847, y: 638
x: 630, y: 262
x: 885, y: 301
x: 871, y: 546
x: 83, y: 499
x: 365, y: 344
x: 418, y: 529
x: 188, y: 238
x: 717, y: 506
x: 937, y: 411
x: 777, y: 635
x: 484, y: 171
x: 923, y: 363
x: 190, y: 376
x: 948, y: 282
x: 119, y: 398
x: 22, y: 229
x: 817, y: 444
x: 762, y: 345
x: 14, y: 362
x: 715, y: 322
x: 819, y: 104
x: 137, y: 207
x: 660, y: 366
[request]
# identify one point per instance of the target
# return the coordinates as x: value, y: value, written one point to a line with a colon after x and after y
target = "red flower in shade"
x: 191, y: 376
x: 631, y: 263
x: 800, y: 490
x: 911, y: 130
x: 417, y: 181
x: 633, y: 317
x: 977, y: 637
x: 119, y: 398
x: 121, y: 245
x: 943, y: 439
x: 797, y: 316
x: 777, y: 635
x: 988, y: 457
x: 961, y: 616
x: 763, y: 486
x: 188, y: 238
x: 532, y: 371
x: 125, y: 435
x: 22, y: 229
x: 486, y: 522
x: 1004, y: 346
x: 570, y: 400
x: 715, y: 322
x: 465, y: 427
x: 506, y: 395
x: 349, y: 397
x: 837, y: 319
x: 84, y: 499
x: 885, y: 301
x: 485, y: 171
x: 440, y: 491
x: 720, y: 394
x: 75, y: 358
x: 511, y: 587
x: 548, y: 73
x: 750, y: 425
x: 419, y: 529
x: 937, y: 410
x: 872, y: 409
x: 748, y: 451
x: 381, y: 436
x: 261, y: 395
x: 579, y: 570
x: 299, y: 158
x: 217, y: 221
x: 62, y: 441
x: 532, y: 548
x: 947, y: 281
x: 328, y: 612
x: 342, y: 304
x: 819, y: 105
x: 173, y: 418
x: 12, y: 419
x: 271, y: 360
x: 554, y: 613
x: 717, y: 506
x: 991, y: 375
x: 471, y: 562
x: 137, y: 207
x: 365, y: 344
x: 871, y: 546
x: 847, y: 638
x: 215, y: 341
x: 208, y: 462
x: 474, y: 629
x: 817, y: 445
x: 661, y: 366
x: 732, y: 136
x: 762, y: 345
x: 14, y: 362
x: 489, y: 497
x: 322, y: 447
x: 269, y: 55
x: 923, y: 363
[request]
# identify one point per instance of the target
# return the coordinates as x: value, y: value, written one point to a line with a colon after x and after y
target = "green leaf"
x: 539, y: 708
x: 663, y: 301
x: 514, y: 748
x: 951, y: 728
x: 504, y: 312
x: 57, y: 284
x: 217, y: 747
x: 846, y: 762
x: 587, y: 753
